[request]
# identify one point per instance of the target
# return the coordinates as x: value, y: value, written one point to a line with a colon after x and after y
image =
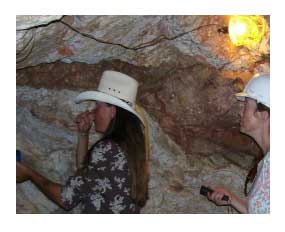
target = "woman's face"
x: 102, y: 116
x: 249, y: 122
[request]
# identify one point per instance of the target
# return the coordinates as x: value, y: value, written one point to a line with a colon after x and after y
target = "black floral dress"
x: 105, y: 188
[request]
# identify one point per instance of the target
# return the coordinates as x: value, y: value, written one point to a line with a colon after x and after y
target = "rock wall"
x: 192, y: 102
x: 188, y: 73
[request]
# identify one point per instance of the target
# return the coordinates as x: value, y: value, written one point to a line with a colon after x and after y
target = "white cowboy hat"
x: 117, y: 89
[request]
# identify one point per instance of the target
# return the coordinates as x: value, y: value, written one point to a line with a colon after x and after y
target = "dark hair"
x: 261, y: 107
x: 252, y: 172
x: 127, y: 131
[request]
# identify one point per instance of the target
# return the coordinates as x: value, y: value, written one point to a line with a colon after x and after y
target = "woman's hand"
x: 49, y: 188
x: 217, y: 195
x: 22, y: 172
x: 84, y: 122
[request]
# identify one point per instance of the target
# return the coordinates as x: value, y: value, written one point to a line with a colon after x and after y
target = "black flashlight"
x: 205, y: 190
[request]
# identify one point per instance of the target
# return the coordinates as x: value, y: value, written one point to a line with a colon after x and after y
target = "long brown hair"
x: 252, y: 172
x: 127, y: 130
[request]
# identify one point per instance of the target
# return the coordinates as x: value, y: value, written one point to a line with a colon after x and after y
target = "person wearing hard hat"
x: 113, y: 176
x: 255, y: 122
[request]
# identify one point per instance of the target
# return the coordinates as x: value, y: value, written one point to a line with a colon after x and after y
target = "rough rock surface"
x: 138, y: 40
x: 190, y: 103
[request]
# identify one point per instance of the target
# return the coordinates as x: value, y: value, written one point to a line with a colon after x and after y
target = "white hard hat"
x: 257, y: 88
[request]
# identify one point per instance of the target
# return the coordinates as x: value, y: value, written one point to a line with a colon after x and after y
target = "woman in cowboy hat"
x: 255, y: 122
x: 113, y: 176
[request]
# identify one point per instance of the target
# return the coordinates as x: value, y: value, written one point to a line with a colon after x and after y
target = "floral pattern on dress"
x: 119, y: 181
x: 98, y: 154
x: 102, y: 185
x: 119, y: 162
x: 74, y: 184
x: 97, y: 199
x: 117, y: 204
x: 259, y: 195
x: 105, y: 188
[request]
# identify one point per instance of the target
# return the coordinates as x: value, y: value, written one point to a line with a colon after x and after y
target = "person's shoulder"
x: 107, y: 141
x: 110, y: 143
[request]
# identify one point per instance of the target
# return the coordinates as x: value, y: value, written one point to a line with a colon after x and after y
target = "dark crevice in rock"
x: 150, y: 43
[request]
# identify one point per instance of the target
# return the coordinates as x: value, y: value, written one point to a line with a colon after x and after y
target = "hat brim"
x: 103, y: 97
x: 241, y: 96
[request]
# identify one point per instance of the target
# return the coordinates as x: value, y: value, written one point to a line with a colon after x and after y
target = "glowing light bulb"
x: 240, y: 28
x: 246, y: 30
